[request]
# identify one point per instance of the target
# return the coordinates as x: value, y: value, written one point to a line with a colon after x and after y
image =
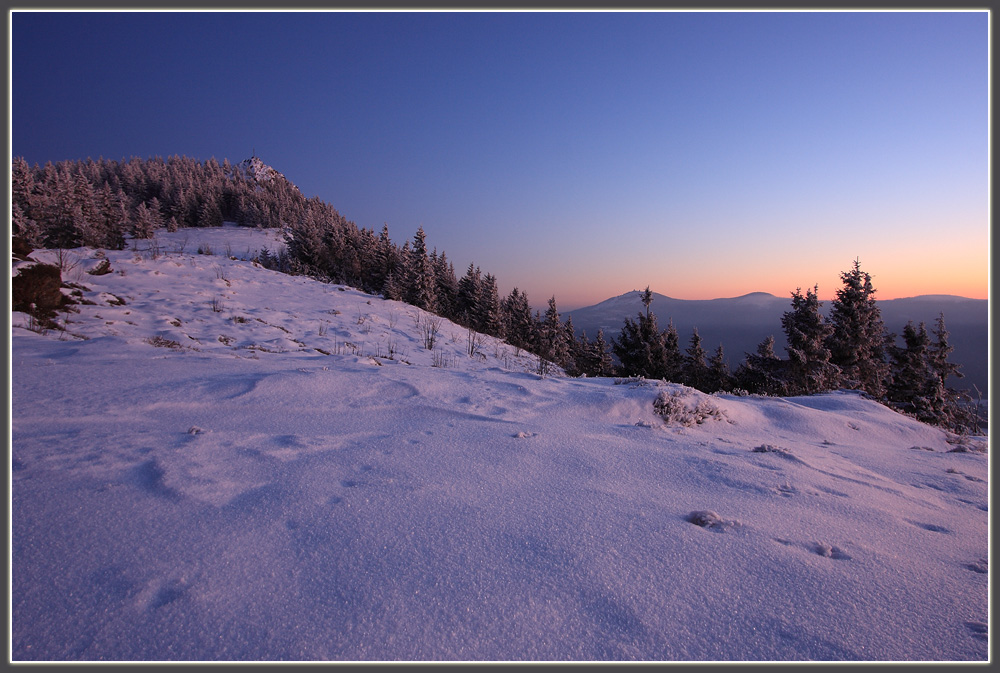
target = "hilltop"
x: 220, y: 462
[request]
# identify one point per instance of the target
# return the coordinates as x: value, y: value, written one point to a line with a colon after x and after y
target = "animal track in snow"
x: 831, y: 551
x: 162, y: 593
x: 934, y: 528
x: 981, y: 566
x: 820, y: 548
x: 711, y: 520
x: 969, y: 477
x: 979, y: 630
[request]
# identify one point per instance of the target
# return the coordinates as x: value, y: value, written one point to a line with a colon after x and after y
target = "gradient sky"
x: 575, y: 154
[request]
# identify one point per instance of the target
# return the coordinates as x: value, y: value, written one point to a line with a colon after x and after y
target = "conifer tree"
x: 490, y: 319
x: 25, y: 228
x: 915, y: 388
x: 673, y: 359
x: 695, y: 368
x: 552, y: 342
x: 392, y: 288
x: 603, y: 364
x: 859, y: 338
x: 809, y: 367
x: 718, y: 376
x: 519, y: 326
x: 640, y: 348
x: 468, y: 299
x: 763, y: 372
x: 142, y: 224
x: 446, y: 287
x: 420, y: 281
x: 938, y: 352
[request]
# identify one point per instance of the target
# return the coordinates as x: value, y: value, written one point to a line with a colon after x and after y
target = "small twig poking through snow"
x: 474, y: 341
x: 429, y: 329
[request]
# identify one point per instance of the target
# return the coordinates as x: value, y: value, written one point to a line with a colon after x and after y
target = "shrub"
x: 685, y: 407
x: 162, y: 342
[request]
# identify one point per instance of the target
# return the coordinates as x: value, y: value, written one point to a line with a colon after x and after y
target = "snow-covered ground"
x: 236, y: 464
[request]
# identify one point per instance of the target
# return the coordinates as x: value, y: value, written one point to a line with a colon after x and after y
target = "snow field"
x: 282, y: 495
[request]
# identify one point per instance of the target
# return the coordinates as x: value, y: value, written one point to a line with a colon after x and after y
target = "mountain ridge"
x: 739, y: 324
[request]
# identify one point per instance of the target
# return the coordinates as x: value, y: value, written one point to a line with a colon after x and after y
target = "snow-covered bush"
x: 686, y: 407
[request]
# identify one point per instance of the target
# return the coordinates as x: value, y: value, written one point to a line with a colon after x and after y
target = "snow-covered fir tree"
x: 421, y: 285
x: 859, y: 338
x: 552, y: 342
x: 695, y: 366
x: 762, y: 372
x: 519, y: 326
x: 639, y: 347
x: 806, y: 333
x: 490, y: 318
x: 718, y: 377
x: 673, y: 358
x: 915, y: 388
x: 469, y: 296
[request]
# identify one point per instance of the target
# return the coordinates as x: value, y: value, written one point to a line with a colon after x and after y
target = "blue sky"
x: 575, y: 154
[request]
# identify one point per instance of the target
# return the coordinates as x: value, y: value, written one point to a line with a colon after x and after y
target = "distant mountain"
x: 741, y: 323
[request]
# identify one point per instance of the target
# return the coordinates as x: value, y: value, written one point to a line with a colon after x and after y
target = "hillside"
x: 219, y: 462
x: 740, y: 323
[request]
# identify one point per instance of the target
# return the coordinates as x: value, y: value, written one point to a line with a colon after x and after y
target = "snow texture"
x: 237, y: 465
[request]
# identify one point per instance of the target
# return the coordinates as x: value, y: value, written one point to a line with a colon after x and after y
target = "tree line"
x: 851, y: 350
x: 98, y: 203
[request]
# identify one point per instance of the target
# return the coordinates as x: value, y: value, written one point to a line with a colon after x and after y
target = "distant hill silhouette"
x: 740, y: 323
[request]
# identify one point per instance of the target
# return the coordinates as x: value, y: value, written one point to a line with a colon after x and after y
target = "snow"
x: 275, y: 486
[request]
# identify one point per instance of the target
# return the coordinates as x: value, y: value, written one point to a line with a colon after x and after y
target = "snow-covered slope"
x: 236, y: 464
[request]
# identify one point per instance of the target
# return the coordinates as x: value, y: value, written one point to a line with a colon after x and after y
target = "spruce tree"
x: 859, y: 338
x: 763, y: 372
x: 938, y: 352
x: 809, y: 367
x: 421, y: 285
x: 603, y: 364
x: 143, y: 222
x: 915, y: 388
x: 518, y: 324
x: 446, y: 287
x: 695, y: 368
x: 672, y: 359
x: 640, y: 348
x: 469, y: 297
x: 718, y: 377
x: 490, y: 319
x: 552, y: 345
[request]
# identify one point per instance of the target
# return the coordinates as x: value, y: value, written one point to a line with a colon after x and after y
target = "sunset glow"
x: 574, y: 154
